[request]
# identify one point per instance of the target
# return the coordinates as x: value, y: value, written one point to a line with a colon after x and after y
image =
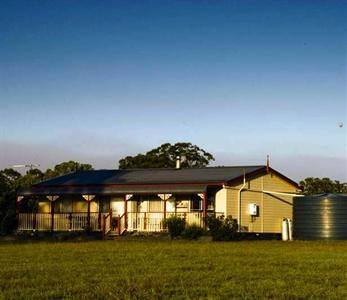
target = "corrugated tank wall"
x: 320, y: 217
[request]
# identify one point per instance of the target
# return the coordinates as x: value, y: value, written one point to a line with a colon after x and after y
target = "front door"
x: 117, y: 208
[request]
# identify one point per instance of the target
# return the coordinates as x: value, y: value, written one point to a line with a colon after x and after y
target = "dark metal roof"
x: 143, y: 180
x: 150, y: 176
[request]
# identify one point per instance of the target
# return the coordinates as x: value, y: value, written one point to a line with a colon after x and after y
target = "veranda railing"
x: 105, y: 222
x: 153, y: 221
x: 60, y: 221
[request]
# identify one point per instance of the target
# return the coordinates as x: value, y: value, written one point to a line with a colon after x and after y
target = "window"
x: 63, y: 206
x: 195, y: 202
x: 210, y: 201
x: 104, y: 205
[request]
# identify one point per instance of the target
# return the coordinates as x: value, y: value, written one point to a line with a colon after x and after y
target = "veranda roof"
x: 114, y: 190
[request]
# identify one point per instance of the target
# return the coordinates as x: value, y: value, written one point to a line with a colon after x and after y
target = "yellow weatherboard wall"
x: 82, y: 206
x: 221, y: 201
x: 272, y: 208
x: 44, y: 207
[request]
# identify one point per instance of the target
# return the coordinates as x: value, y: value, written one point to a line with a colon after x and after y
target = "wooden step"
x: 111, y: 235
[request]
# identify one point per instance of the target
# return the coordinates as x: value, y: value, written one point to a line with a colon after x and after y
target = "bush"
x: 174, y: 225
x: 8, y: 222
x: 222, y: 229
x: 192, y: 232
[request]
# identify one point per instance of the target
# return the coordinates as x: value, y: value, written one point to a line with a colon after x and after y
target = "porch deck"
x: 103, y: 222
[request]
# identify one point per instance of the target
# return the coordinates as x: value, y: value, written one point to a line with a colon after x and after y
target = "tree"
x: 9, y: 177
x: 65, y: 168
x: 31, y: 177
x: 313, y: 185
x: 8, y: 185
x: 165, y: 157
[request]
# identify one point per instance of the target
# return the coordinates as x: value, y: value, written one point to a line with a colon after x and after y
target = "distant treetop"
x: 165, y: 155
x: 67, y: 167
x: 314, y: 185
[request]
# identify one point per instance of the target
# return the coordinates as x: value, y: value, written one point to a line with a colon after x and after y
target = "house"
x: 259, y: 197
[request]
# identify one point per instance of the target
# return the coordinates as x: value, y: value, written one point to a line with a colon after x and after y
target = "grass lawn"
x: 173, y: 269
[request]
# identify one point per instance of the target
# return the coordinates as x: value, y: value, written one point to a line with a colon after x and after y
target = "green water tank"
x: 321, y: 216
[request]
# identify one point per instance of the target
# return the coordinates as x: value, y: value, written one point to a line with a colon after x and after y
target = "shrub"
x: 222, y: 229
x: 9, y: 222
x: 174, y: 225
x: 192, y: 232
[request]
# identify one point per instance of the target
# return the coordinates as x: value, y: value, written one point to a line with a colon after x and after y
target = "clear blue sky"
x: 96, y: 80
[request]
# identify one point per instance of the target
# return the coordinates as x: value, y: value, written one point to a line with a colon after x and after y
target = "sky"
x: 94, y: 81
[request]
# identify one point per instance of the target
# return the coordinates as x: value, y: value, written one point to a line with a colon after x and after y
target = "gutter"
x: 281, y: 193
x: 265, y: 191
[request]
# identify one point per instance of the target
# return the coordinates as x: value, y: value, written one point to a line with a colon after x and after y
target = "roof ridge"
x: 167, y: 169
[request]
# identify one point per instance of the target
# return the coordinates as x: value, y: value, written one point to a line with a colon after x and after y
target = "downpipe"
x: 239, y: 201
